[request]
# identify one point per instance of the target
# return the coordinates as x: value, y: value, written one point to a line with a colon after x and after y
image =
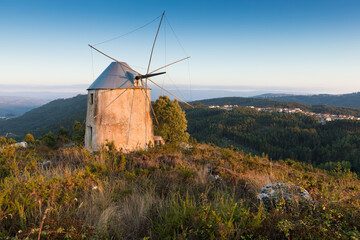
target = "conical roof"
x: 115, y: 76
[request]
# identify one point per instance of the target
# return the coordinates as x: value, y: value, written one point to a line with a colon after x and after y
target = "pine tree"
x: 47, y: 140
x: 172, y: 122
x: 63, y: 136
x: 78, y: 133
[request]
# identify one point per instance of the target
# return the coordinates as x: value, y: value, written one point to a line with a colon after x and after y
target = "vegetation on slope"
x: 282, y: 136
x: 49, y: 117
x: 167, y: 193
x: 63, y: 112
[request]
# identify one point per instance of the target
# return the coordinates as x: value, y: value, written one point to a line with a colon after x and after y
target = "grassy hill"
x: 202, y: 192
x: 168, y: 193
x: 345, y: 100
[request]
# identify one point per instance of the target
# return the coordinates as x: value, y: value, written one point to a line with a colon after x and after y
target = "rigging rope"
x: 92, y: 63
x: 145, y: 113
x: 178, y: 40
x: 177, y: 89
x: 132, y: 104
x: 161, y: 92
x: 176, y: 36
x: 190, y: 90
x: 114, y: 38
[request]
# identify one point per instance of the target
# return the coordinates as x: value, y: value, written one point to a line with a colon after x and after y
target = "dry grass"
x: 169, y: 191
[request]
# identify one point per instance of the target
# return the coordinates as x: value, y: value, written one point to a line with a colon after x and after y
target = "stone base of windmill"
x: 286, y: 196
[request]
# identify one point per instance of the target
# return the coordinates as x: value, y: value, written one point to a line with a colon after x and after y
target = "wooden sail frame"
x: 143, y: 87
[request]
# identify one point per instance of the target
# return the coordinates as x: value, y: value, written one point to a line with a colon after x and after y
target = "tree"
x: 29, y: 138
x: 78, y: 132
x: 172, y: 122
x: 63, y: 136
x: 48, y: 139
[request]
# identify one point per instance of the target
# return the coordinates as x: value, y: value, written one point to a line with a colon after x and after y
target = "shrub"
x: 29, y: 138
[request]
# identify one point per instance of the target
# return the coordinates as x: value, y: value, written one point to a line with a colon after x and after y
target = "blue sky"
x: 313, y: 45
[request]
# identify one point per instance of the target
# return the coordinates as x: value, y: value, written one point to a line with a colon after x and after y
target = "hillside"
x: 201, y: 192
x: 49, y: 117
x: 204, y: 192
x: 279, y: 135
x: 63, y: 112
x: 345, y: 100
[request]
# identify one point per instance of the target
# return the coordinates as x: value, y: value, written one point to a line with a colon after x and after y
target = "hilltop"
x: 204, y: 192
x: 200, y: 191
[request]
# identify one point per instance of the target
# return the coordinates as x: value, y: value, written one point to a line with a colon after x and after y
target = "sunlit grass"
x: 167, y: 193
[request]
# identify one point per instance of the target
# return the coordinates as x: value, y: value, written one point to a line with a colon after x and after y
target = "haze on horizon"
x: 302, y: 46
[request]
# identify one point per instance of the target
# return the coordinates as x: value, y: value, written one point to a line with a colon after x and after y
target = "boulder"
x: 21, y: 144
x: 286, y: 195
x: 46, y: 164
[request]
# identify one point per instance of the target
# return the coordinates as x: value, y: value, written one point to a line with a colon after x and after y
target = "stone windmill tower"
x: 119, y: 107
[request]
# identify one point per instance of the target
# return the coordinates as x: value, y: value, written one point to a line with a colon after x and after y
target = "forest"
x: 279, y: 135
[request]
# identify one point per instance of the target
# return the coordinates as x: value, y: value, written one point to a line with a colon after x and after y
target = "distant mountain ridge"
x: 11, y: 106
x: 262, y: 102
x: 270, y: 95
x: 63, y: 112
x: 344, y: 100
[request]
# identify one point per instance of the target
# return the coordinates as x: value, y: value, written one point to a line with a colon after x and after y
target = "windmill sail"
x: 119, y: 106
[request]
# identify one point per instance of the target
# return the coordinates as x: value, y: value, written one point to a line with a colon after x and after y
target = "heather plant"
x: 218, y: 218
x: 168, y: 192
x: 3, y: 141
x: 11, y: 141
x: 29, y: 138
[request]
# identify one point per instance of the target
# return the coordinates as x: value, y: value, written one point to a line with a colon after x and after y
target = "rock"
x: 185, y: 146
x: 46, y: 164
x: 21, y: 144
x: 215, y: 177
x: 286, y: 194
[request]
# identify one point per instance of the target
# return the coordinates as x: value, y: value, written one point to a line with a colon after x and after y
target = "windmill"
x: 119, y: 106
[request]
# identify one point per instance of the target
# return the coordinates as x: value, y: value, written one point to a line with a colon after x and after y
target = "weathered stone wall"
x: 124, y: 119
